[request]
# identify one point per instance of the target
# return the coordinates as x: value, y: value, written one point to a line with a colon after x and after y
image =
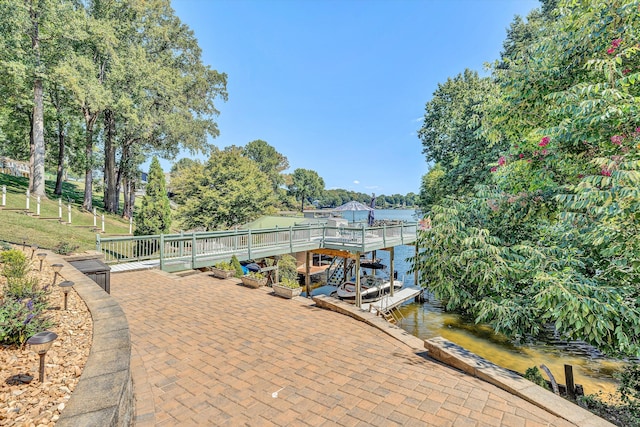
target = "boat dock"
x: 388, y: 302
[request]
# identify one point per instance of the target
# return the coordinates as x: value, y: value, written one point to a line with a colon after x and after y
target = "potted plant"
x: 288, y: 286
x: 254, y: 279
x: 223, y: 270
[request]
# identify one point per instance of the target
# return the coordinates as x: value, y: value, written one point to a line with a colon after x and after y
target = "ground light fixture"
x: 34, y: 248
x: 41, y: 256
x: 41, y: 343
x: 56, y: 270
x: 66, y: 287
x: 24, y: 243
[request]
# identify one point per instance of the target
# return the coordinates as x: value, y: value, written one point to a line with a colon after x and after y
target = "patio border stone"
x: 104, y: 393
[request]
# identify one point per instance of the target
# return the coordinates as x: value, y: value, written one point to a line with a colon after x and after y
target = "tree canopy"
x: 548, y: 232
x: 108, y: 83
x: 229, y: 190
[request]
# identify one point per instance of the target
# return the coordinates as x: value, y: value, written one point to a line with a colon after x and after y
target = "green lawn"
x: 16, y: 226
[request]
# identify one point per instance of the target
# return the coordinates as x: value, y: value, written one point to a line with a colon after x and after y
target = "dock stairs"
x: 336, y: 275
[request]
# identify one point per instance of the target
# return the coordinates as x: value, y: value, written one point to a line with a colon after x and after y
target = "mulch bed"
x: 40, y: 404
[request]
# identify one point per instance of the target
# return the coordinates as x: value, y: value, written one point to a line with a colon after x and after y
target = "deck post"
x: 249, y: 243
x: 290, y: 239
x: 4, y: 195
x: 161, y: 252
x: 181, y: 243
x: 98, y: 249
x: 391, y: 272
x: 358, y: 291
x: 384, y: 235
x: 415, y: 270
x: 28, y: 198
x: 307, y: 273
x: 193, y: 250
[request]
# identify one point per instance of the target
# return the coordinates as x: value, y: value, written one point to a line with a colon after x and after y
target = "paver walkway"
x: 211, y: 352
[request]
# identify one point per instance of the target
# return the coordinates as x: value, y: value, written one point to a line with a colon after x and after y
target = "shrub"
x: 629, y: 388
x: 18, y: 288
x: 287, y: 269
x: 4, y: 246
x: 236, y: 265
x: 14, y: 263
x: 20, y: 319
x: 533, y: 374
x: 224, y: 265
x: 65, y: 248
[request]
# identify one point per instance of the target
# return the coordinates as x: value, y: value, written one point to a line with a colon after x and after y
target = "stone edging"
x: 104, y: 394
x: 455, y: 356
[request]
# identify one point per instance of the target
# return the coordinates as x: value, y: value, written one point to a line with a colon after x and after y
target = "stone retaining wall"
x: 104, y: 394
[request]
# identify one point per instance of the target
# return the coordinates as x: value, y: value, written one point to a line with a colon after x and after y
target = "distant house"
x: 14, y: 167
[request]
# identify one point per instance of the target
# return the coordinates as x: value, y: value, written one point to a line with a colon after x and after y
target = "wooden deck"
x: 177, y: 252
x: 387, y: 303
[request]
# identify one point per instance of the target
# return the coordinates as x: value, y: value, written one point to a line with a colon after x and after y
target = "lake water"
x: 426, y: 320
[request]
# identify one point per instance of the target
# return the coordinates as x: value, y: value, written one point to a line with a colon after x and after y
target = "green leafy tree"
x: 553, y: 239
x: 450, y: 132
x: 227, y: 191
x: 269, y: 161
x: 305, y: 185
x: 154, y: 214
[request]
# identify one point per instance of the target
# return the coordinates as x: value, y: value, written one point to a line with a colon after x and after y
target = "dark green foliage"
x: 237, y: 267
x: 611, y: 410
x: 555, y: 236
x: 65, y: 248
x: 228, y: 191
x: 154, y: 214
x: 533, y: 374
x: 305, y: 185
x: 629, y: 388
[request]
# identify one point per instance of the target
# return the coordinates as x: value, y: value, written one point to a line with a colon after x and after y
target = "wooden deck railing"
x: 193, y: 250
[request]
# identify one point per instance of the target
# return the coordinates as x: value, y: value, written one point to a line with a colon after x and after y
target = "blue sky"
x: 339, y: 86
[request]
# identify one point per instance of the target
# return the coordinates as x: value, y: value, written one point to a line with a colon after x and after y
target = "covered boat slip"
x: 176, y: 252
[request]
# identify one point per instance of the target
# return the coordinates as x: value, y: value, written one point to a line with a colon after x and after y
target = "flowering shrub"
x: 20, y: 319
x: 24, y: 302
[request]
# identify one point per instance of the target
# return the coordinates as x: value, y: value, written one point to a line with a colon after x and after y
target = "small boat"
x: 371, y: 289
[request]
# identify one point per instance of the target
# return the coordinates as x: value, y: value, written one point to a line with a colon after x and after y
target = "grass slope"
x: 16, y: 226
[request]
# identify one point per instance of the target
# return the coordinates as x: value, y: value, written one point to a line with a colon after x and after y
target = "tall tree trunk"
x: 110, y: 190
x: 125, y: 193
x: 60, y: 170
x: 36, y: 178
x: 90, y: 119
x: 32, y: 151
x: 129, y: 187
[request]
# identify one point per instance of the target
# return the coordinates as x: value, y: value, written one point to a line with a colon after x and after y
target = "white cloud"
x: 356, y: 182
x: 418, y: 120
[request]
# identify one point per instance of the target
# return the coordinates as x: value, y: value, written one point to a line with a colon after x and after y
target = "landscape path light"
x: 34, y: 248
x: 66, y: 287
x: 41, y: 343
x: 24, y: 243
x: 41, y: 257
x: 56, y: 270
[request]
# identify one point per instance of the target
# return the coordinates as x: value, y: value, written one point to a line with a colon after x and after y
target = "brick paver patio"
x: 211, y: 352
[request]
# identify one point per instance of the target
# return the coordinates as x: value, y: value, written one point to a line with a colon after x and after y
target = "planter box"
x: 252, y: 282
x: 285, y: 292
x: 222, y: 274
